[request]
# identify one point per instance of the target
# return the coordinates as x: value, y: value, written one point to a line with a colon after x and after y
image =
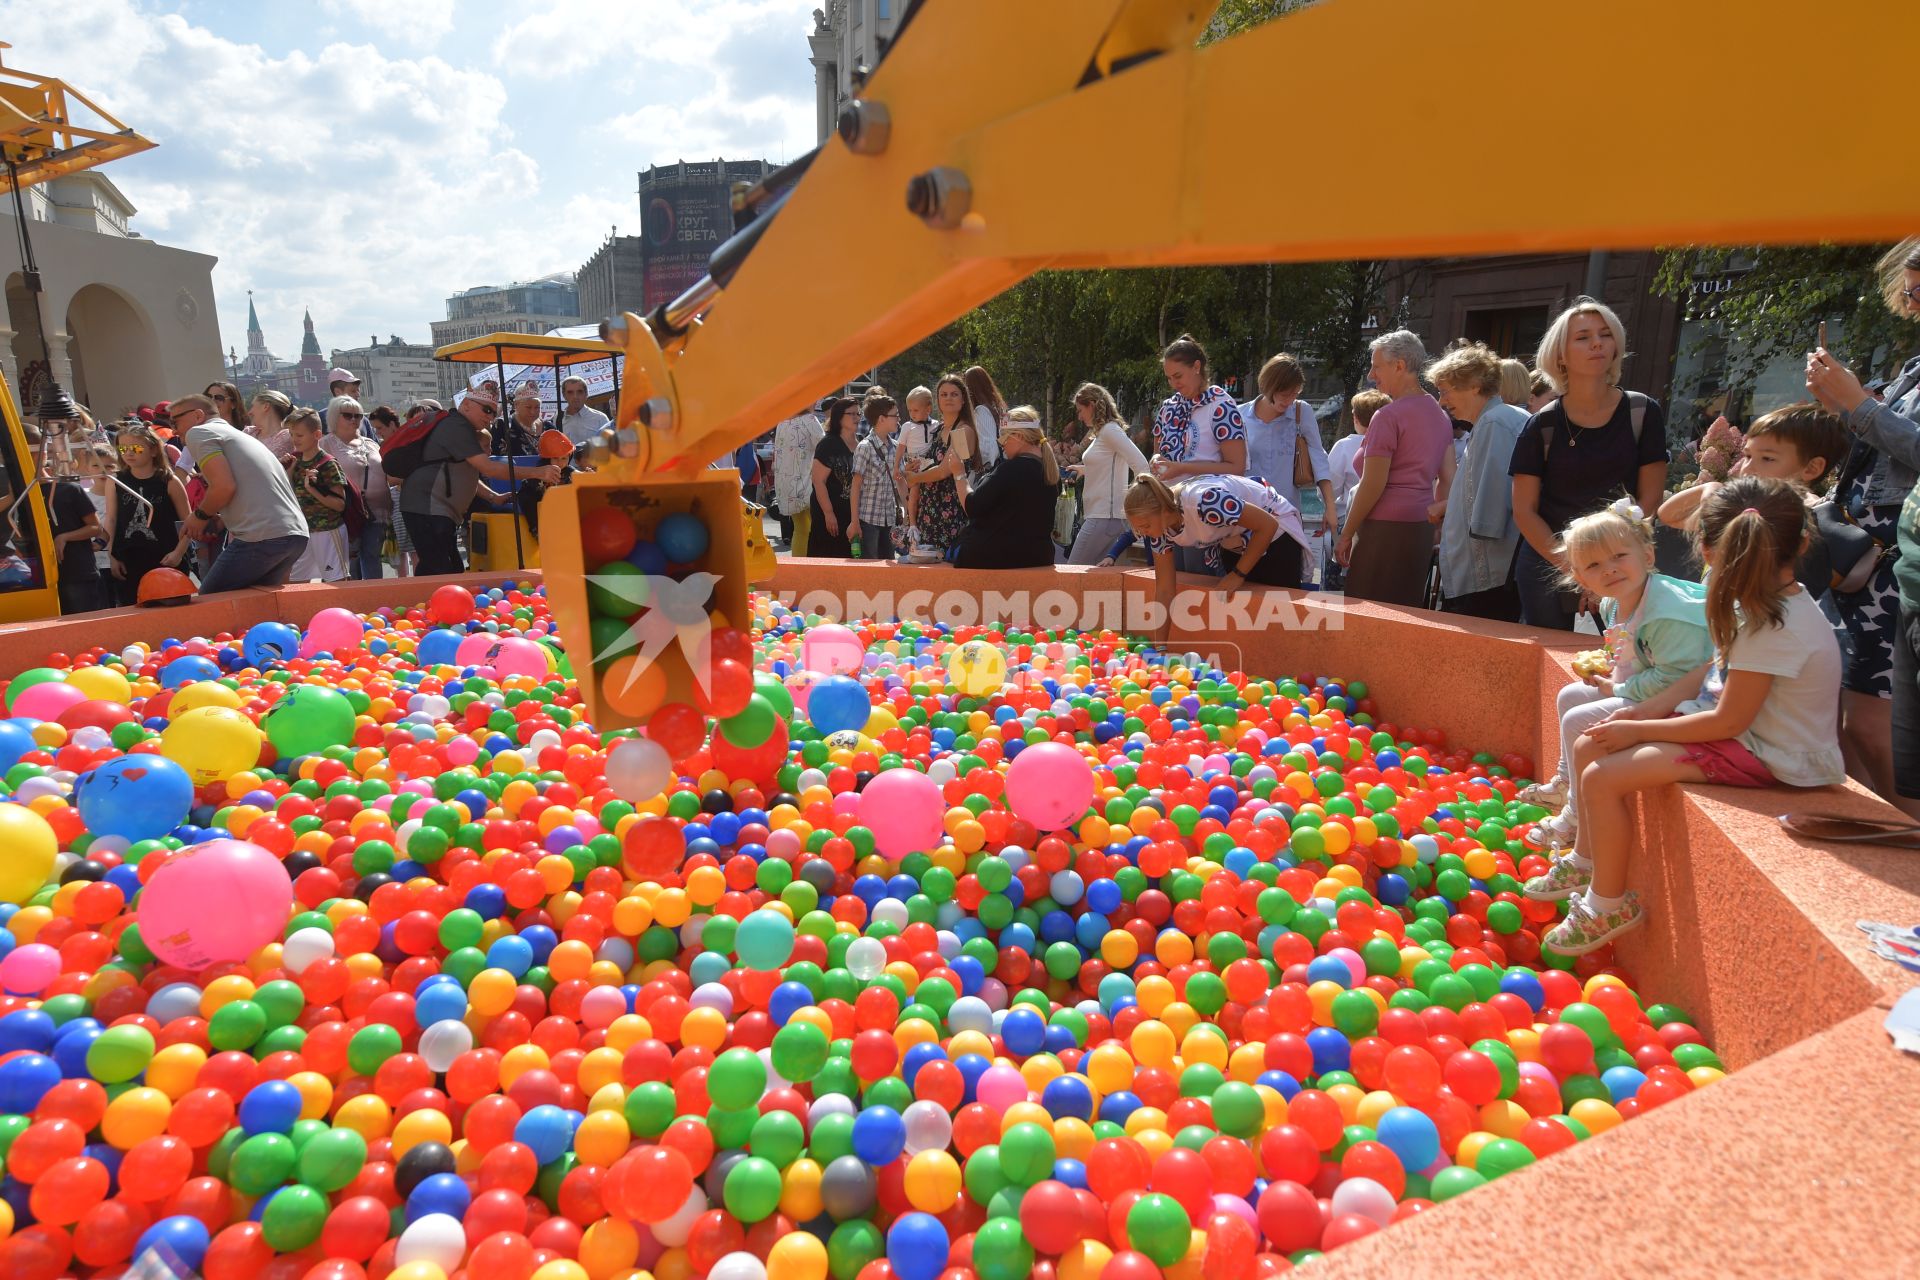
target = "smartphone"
x: 1821, y: 342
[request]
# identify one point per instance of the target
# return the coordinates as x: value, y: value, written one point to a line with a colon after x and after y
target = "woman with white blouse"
x: 1105, y: 470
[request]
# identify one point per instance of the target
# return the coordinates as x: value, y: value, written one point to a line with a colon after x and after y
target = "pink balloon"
x: 216, y: 902
x: 1050, y: 785
x: 474, y: 649
x: 903, y: 809
x: 46, y: 701
x: 518, y: 656
x: 799, y: 687
x: 832, y: 650
x: 332, y: 631
x: 27, y: 970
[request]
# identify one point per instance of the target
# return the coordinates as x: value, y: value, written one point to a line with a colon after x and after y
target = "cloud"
x: 371, y: 177
x: 420, y: 23
x: 363, y: 186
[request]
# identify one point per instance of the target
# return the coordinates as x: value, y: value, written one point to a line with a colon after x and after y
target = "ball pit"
x: 1227, y: 973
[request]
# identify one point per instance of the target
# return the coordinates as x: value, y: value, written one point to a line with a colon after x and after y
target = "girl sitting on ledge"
x: 1762, y: 714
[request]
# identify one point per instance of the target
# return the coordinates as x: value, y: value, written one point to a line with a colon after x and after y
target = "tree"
x: 1768, y: 301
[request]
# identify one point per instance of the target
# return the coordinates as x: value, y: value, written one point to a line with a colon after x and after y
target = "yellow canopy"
x: 527, y: 348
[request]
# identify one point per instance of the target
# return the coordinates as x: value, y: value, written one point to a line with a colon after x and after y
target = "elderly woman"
x: 1386, y: 542
x: 1477, y: 534
x: 1592, y: 445
x: 359, y: 460
x: 1880, y: 689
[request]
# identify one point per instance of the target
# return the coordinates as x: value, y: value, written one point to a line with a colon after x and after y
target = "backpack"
x: 1636, y: 413
x: 356, y: 509
x: 406, y: 451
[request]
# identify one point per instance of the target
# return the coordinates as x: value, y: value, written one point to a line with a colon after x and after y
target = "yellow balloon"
x: 203, y: 693
x: 27, y: 850
x: 212, y: 743
x: 103, y: 684
x: 977, y: 668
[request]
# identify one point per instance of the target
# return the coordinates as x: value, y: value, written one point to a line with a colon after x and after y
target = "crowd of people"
x: 1469, y: 482
x: 225, y: 492
x: 1483, y: 487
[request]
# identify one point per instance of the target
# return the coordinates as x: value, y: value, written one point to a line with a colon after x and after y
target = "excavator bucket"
x: 641, y: 573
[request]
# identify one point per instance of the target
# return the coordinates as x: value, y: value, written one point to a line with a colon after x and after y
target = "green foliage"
x: 1775, y: 298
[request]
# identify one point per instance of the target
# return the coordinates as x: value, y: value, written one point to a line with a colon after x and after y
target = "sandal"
x: 1827, y: 826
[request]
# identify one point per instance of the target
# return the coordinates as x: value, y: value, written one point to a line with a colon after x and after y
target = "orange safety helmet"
x: 164, y: 587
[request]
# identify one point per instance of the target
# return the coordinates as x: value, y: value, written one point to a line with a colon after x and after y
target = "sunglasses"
x: 132, y: 447
x: 221, y: 397
x: 351, y: 416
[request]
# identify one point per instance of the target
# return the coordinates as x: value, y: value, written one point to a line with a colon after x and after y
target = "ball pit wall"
x: 1797, y: 1164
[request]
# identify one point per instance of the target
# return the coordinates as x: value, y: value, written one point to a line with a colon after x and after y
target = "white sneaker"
x: 1556, y: 832
x: 1551, y: 794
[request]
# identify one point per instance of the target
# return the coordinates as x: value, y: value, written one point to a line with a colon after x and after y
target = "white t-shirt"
x: 1797, y: 731
x: 1343, y: 469
x: 915, y: 439
x: 987, y: 428
x: 1211, y: 510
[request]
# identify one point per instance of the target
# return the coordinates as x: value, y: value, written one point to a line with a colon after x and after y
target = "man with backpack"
x: 248, y: 490
x: 439, y: 461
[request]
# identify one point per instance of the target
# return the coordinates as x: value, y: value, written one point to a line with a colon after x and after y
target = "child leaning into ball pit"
x: 1763, y: 713
x: 1656, y: 630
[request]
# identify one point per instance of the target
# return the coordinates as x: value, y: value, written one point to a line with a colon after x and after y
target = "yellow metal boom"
x: 1008, y: 108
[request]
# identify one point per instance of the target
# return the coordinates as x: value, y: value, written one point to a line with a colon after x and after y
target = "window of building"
x: 1511, y: 331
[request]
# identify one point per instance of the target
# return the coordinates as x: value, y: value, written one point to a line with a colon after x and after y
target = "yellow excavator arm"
x: 958, y: 171
x: 962, y: 168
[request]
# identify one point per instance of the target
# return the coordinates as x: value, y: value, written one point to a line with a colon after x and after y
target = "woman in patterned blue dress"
x: 1246, y: 532
x: 1197, y: 431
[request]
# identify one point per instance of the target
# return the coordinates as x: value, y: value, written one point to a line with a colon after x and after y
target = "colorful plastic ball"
x: 764, y: 940
x: 917, y: 1246
x: 682, y: 537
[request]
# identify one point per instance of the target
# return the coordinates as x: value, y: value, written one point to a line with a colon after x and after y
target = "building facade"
x: 526, y: 306
x: 848, y: 35
x: 613, y: 280
x: 686, y: 212
x: 392, y: 373
x: 126, y: 321
x: 303, y: 381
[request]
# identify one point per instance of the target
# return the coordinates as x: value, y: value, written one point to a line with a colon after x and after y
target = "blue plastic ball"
x: 682, y: 537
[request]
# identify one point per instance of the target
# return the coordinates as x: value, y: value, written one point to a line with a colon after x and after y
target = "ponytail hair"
x: 1024, y: 421
x: 1751, y: 528
x: 1186, y: 350
x: 1150, y: 495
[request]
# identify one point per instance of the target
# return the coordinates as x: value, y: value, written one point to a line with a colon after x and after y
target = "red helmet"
x: 164, y: 587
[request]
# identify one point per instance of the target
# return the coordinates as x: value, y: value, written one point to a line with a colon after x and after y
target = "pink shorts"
x: 1729, y: 764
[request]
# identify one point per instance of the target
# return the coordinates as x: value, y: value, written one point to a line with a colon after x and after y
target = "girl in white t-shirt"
x: 1764, y: 712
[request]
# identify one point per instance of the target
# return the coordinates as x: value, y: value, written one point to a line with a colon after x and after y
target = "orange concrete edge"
x: 1797, y: 1164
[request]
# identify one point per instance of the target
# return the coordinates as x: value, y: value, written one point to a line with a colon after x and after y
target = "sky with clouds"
x: 367, y: 158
